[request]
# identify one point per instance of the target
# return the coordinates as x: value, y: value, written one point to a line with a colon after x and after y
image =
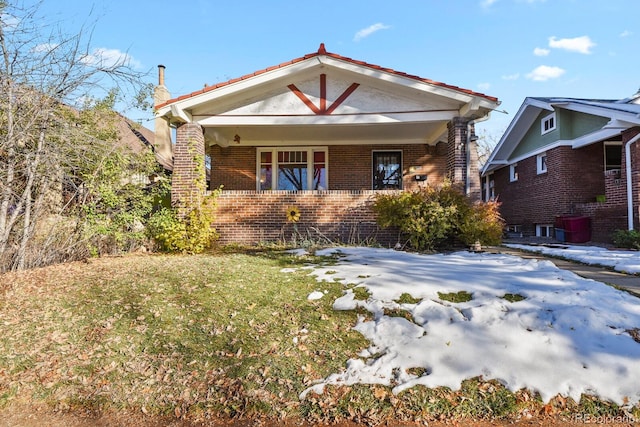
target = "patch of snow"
x: 624, y: 261
x: 568, y: 336
x: 298, y: 252
x: 315, y: 295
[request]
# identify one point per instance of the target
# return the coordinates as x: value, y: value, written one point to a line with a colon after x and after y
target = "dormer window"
x: 548, y: 123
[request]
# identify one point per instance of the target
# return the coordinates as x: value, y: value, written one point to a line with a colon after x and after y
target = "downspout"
x: 627, y: 156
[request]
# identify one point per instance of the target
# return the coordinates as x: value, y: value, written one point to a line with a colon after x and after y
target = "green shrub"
x: 433, y: 217
x: 192, y: 234
x: 629, y: 239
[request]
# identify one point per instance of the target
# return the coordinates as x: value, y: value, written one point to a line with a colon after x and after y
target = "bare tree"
x: 486, y: 143
x: 44, y: 73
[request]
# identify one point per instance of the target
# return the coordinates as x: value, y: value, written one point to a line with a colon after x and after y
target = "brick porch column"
x: 475, y: 182
x: 456, y: 151
x: 188, y: 182
x: 462, y: 157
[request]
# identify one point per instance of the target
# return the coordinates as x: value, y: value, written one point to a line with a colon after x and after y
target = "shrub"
x: 433, y: 217
x: 191, y: 234
x: 629, y: 239
x: 483, y: 224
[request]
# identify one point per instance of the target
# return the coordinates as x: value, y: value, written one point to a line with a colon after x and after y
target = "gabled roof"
x: 622, y: 114
x: 138, y: 138
x: 323, y: 52
x: 324, y: 97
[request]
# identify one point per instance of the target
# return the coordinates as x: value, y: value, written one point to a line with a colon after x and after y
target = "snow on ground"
x: 568, y: 336
x: 625, y: 261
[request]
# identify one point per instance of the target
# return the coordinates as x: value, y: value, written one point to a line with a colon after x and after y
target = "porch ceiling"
x: 321, y: 134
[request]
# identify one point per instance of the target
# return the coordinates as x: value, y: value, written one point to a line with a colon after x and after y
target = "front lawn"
x: 238, y: 334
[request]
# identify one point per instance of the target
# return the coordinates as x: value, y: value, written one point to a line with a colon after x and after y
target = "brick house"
x: 568, y: 158
x: 324, y: 133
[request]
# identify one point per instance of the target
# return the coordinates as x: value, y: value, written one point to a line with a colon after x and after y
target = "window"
x: 548, y: 123
x: 544, y: 230
x: 541, y: 163
x: 514, y: 230
x: 513, y: 172
x: 612, y: 156
x: 387, y: 170
x: 292, y: 169
x: 488, y: 188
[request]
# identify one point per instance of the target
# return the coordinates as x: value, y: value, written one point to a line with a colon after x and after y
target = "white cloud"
x: 544, y: 73
x: 541, y: 51
x: 9, y: 22
x: 45, y: 47
x: 484, y: 86
x: 625, y: 33
x: 366, y: 32
x: 515, y: 76
x: 103, y: 57
x: 577, y: 44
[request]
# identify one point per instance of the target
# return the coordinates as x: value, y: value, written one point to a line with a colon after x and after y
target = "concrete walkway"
x: 627, y: 282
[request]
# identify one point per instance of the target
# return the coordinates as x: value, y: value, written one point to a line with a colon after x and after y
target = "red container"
x: 577, y: 229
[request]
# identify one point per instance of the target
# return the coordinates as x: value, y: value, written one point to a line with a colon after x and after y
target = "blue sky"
x: 509, y: 49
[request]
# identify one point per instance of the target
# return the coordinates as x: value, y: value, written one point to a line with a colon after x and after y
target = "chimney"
x: 164, y: 147
x: 161, y: 75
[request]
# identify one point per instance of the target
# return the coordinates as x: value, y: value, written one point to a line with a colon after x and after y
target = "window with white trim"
x: 612, y: 155
x: 544, y: 230
x: 548, y: 123
x: 488, y: 188
x: 541, y: 163
x: 292, y: 168
x: 513, y: 172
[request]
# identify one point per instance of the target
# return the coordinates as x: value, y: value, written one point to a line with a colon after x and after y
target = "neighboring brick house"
x: 324, y: 133
x: 568, y: 158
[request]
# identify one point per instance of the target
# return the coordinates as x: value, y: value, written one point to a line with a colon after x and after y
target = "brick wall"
x: 349, y: 165
x: 252, y: 217
x: 635, y: 174
x: 573, y: 177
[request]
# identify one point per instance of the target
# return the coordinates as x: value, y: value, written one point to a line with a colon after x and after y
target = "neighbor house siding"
x: 349, y: 166
x: 574, y: 124
x: 572, y: 177
x: 533, y: 140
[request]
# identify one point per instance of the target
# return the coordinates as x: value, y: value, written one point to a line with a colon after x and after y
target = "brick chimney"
x: 164, y: 147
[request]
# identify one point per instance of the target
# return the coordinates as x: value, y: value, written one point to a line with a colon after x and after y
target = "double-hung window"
x: 292, y: 168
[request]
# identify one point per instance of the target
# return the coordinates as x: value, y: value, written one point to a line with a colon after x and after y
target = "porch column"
x: 188, y: 182
x: 474, y: 190
x: 462, y: 157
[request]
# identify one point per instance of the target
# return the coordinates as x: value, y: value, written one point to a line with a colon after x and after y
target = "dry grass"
x: 215, y: 334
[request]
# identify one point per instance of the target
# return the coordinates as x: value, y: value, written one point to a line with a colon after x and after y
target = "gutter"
x: 627, y: 156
